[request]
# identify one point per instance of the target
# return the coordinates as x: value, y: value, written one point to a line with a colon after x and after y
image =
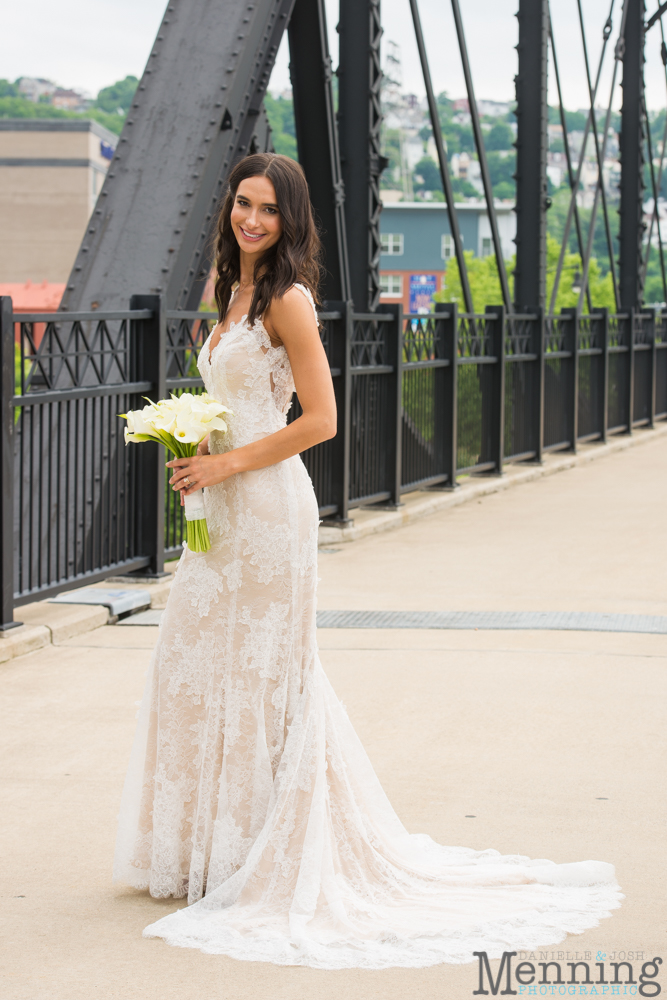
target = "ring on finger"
x: 187, y: 481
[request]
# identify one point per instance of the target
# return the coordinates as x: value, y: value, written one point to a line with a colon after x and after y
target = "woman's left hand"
x: 190, y: 474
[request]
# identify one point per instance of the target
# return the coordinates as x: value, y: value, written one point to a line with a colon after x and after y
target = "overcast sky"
x: 89, y: 44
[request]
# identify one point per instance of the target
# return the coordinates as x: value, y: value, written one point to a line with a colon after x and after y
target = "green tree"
x: 427, y: 175
x: 8, y: 89
x: 485, y: 283
x: 280, y: 112
x: 500, y: 136
x: 117, y: 98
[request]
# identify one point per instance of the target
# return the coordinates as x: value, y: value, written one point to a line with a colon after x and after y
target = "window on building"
x: 392, y: 243
x: 391, y: 286
x: 487, y: 246
x: 447, y: 246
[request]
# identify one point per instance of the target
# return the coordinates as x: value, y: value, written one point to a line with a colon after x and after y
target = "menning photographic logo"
x: 586, y: 978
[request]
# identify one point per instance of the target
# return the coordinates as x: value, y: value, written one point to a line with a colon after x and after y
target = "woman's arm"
x: 290, y: 321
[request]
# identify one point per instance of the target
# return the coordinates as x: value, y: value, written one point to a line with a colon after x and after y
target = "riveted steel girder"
x: 631, y: 148
x: 197, y: 111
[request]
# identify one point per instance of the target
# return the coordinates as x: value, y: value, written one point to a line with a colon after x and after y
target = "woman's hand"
x: 202, y: 447
x: 191, y: 474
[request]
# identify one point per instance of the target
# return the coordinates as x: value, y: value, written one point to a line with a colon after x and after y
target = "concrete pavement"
x: 544, y: 743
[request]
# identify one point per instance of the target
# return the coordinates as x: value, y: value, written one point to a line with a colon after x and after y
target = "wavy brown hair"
x: 294, y: 257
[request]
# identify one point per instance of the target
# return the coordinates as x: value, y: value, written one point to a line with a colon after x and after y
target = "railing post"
x: 604, y: 376
x: 571, y: 344
x: 539, y: 384
x: 631, y: 369
x: 339, y: 360
x: 7, y: 540
x: 498, y: 392
x: 652, y: 374
x: 395, y: 422
x: 448, y: 404
x: 149, y: 358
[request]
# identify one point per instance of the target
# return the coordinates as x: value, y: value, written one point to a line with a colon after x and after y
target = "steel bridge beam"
x: 197, y: 110
x: 531, y: 157
x: 359, y: 119
x: 317, y: 138
x: 631, y: 147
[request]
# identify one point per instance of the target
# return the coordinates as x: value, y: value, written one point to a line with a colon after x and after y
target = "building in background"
x: 417, y: 244
x: 51, y: 172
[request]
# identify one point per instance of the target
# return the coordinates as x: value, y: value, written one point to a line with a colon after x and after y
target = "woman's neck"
x: 246, y: 269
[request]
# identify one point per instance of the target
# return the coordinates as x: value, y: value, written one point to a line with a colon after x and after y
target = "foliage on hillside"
x: 485, y: 283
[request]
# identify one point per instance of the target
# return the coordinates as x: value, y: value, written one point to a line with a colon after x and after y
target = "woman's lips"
x: 252, y: 237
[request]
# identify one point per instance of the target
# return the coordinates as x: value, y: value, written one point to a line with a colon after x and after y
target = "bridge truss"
x: 198, y: 110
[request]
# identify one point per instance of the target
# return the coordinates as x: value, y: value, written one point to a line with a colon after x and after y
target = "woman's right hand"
x: 202, y: 447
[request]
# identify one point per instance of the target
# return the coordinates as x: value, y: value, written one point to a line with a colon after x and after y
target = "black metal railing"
x: 421, y: 399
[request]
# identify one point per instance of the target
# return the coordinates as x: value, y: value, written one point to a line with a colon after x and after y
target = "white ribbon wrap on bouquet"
x: 194, y: 506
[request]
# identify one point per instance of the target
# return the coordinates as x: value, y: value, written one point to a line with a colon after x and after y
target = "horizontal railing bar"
x: 371, y: 369
x: 372, y: 498
x: 520, y: 357
x: 482, y: 467
x: 619, y: 349
x: 477, y: 359
x: 559, y: 446
x: 335, y: 372
x: 328, y: 510
x: 184, y: 383
x: 438, y: 315
x: 329, y: 315
x: 521, y: 456
x: 189, y: 314
x: 643, y: 347
x: 82, y: 392
x: 617, y: 429
x: 81, y: 317
x: 490, y: 316
x: 589, y: 352
x: 557, y: 355
x: 522, y: 316
x: 423, y: 483
x: 74, y: 582
x: 593, y: 436
x: 366, y: 317
x: 434, y: 363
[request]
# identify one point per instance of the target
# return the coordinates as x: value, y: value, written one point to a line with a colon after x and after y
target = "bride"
x: 248, y: 790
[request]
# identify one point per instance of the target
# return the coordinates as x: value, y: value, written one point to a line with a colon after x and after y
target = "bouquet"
x: 180, y: 424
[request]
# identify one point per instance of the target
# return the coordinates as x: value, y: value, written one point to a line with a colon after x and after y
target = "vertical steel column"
x: 340, y: 464
x: 631, y: 369
x: 572, y: 399
x: 531, y: 157
x: 149, y: 357
x: 498, y: 394
x: 394, y: 357
x: 7, y: 540
x: 359, y: 120
x: 449, y: 400
x: 654, y: 368
x: 604, y: 394
x: 631, y: 148
x: 317, y: 138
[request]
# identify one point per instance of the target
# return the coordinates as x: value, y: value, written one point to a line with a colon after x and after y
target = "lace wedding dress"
x: 249, y: 791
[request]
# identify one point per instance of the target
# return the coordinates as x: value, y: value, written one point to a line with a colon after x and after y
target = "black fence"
x: 421, y: 400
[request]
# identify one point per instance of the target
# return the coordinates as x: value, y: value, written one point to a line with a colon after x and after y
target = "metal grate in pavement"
x: 570, y: 621
x: 575, y: 621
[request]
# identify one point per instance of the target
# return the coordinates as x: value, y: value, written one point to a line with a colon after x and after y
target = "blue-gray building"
x: 417, y: 244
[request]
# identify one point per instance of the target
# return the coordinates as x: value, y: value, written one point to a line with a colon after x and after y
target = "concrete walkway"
x: 544, y: 743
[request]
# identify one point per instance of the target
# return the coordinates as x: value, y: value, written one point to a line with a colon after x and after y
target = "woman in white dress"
x: 248, y: 790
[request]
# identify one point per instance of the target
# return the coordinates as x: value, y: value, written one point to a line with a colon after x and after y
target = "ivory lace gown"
x: 249, y: 791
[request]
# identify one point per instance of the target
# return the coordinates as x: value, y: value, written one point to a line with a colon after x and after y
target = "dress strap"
x: 307, y: 293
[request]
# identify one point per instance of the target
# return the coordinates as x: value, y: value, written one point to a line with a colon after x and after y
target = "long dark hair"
x: 295, y: 256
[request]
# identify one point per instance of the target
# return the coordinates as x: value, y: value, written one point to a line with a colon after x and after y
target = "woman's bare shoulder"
x: 291, y: 311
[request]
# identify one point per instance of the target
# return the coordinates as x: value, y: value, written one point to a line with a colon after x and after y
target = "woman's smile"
x: 253, y: 237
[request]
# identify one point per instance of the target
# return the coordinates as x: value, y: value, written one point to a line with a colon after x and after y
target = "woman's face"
x: 255, y: 217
